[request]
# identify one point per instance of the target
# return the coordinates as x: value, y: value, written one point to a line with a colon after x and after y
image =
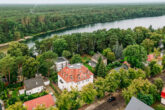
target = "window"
x: 71, y: 77
x: 61, y: 81
x: 78, y: 76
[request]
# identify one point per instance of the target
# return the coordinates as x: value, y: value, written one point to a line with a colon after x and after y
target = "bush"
x: 146, y: 98
x: 160, y: 107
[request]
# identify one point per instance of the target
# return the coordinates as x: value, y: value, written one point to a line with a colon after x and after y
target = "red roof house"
x: 150, y: 57
x: 163, y: 96
x: 74, y: 75
x: 46, y: 100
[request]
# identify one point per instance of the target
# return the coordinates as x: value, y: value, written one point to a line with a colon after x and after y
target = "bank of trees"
x: 24, y: 21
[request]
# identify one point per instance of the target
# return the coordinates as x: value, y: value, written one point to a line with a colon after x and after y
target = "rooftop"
x: 33, y: 83
x: 76, y: 72
x: 46, y: 100
x: 97, y: 56
x: 136, y: 104
x: 61, y: 59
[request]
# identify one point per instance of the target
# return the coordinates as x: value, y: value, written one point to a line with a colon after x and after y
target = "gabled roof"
x: 46, y: 100
x: 33, y: 83
x: 136, y: 104
x: 61, y: 59
x: 97, y: 56
x: 76, y: 72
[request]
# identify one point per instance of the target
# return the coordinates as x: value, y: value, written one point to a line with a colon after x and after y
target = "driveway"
x: 118, y: 104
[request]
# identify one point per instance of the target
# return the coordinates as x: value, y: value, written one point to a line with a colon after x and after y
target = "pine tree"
x: 100, y: 68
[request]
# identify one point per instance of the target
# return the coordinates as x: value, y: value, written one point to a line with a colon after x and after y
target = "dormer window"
x: 71, y: 77
x: 78, y: 76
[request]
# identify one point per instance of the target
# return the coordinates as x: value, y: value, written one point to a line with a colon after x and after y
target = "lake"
x: 156, y: 22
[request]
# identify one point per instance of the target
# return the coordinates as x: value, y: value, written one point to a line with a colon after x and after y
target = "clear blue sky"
x: 74, y: 1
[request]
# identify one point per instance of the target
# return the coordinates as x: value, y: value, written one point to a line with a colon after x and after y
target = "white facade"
x: 46, y: 83
x: 60, y: 65
x: 163, y: 101
x: 62, y: 84
x: 34, y: 90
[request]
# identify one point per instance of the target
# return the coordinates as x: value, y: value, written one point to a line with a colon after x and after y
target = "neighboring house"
x: 94, y: 60
x: 46, y: 100
x: 163, y: 96
x: 76, y: 75
x: 60, y: 63
x: 34, y: 85
x: 136, y: 104
x: 125, y: 65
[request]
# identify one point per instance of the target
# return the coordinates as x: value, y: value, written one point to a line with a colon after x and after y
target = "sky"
x: 74, y: 1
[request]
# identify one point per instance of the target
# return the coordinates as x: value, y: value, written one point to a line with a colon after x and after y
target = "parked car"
x: 111, y: 99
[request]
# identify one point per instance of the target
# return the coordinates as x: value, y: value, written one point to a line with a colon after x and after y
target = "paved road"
x: 118, y: 104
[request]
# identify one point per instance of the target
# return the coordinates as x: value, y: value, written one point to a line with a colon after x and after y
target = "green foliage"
x: 139, y: 86
x: 59, y: 46
x: 160, y: 107
x: 106, y: 51
x: 2, y: 55
x: 155, y: 68
x: 66, y: 54
x: 135, y: 55
x: 88, y: 93
x: 159, y: 84
x: 76, y: 59
x: 148, y: 45
x: 100, y: 69
x: 16, y: 106
x: 69, y: 100
x: 163, y: 62
x: 146, y: 98
x: 30, y: 67
x: 18, y: 49
x: 118, y: 50
x: 100, y: 85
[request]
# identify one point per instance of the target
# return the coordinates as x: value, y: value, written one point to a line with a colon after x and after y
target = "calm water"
x: 156, y: 22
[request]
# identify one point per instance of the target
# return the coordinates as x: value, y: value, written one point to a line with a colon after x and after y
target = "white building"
x: 163, y: 96
x: 34, y: 85
x: 60, y: 63
x: 76, y: 75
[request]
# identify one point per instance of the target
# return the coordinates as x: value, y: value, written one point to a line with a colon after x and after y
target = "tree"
x: 156, y: 69
x: 30, y: 67
x: 69, y: 100
x: 76, y: 59
x: 66, y: 54
x: 163, y: 62
x: 40, y: 107
x: 88, y: 93
x: 16, y: 106
x: 59, y: 46
x: 17, y: 35
x: 159, y: 84
x: 100, y: 85
x: 100, y: 69
x: 46, y: 61
x: 146, y: 98
x: 2, y: 55
x: 18, y: 49
x: 105, y: 51
x: 118, y: 50
x: 135, y: 55
x: 148, y: 45
x: 112, y: 81
x: 139, y: 86
x: 7, y: 65
x: 160, y: 107
x: 110, y: 56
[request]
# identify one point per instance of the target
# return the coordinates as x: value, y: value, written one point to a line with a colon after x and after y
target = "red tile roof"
x: 163, y: 93
x: 75, y: 73
x: 150, y: 57
x: 46, y: 100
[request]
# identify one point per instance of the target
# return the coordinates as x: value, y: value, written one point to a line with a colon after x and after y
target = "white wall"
x: 163, y: 101
x: 35, y: 90
x: 46, y: 83
x: 61, y: 65
x: 68, y: 85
